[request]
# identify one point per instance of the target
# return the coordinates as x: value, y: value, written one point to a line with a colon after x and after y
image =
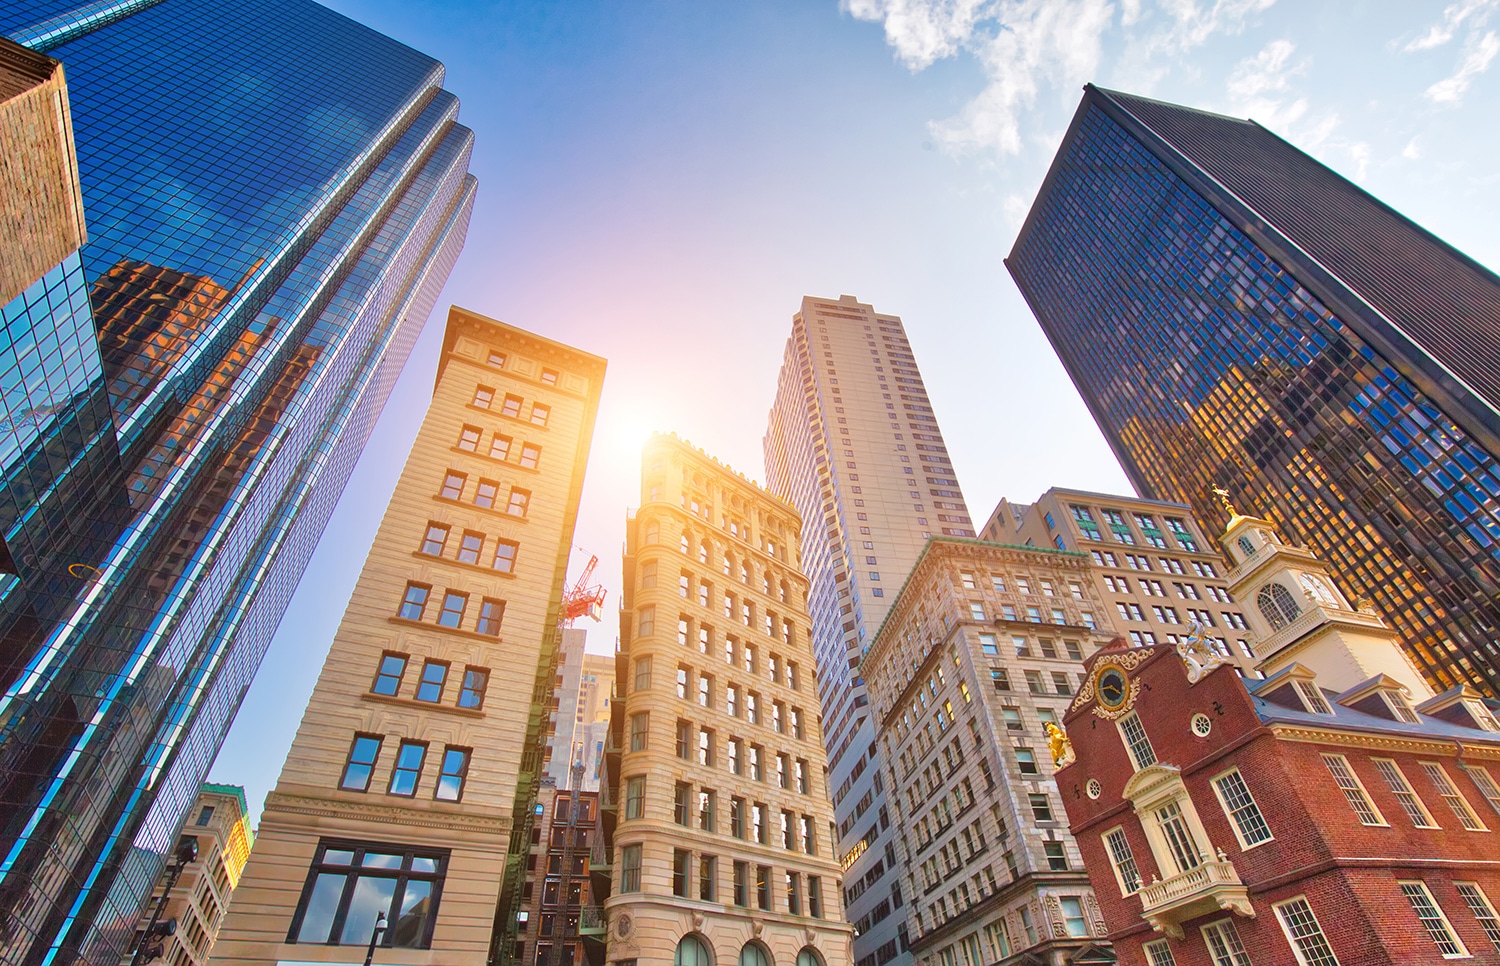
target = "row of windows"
x: 406, y: 771
x: 738, y: 702
x: 1032, y: 615
x: 486, y: 492
x: 1168, y: 565
x: 1120, y: 532
x: 736, y: 654
x: 1120, y: 584
x: 1043, y: 587
x: 1000, y: 940
x: 530, y: 454
x: 431, y: 682
x: 455, y: 604
x: 511, y: 405
x: 497, y: 360
x: 471, y: 545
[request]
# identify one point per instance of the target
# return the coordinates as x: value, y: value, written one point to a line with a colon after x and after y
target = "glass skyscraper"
x: 853, y: 444
x: 274, y: 196
x: 1236, y: 314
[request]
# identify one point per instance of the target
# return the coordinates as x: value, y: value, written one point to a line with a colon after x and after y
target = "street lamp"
x: 375, y: 935
x: 150, y: 946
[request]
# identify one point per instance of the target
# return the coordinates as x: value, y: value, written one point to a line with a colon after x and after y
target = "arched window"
x: 693, y: 951
x: 769, y: 589
x: 1318, y: 590
x: 1246, y: 547
x: 1277, y: 605
x: 754, y: 954
x: 784, y: 592
x: 809, y: 957
x: 653, y: 532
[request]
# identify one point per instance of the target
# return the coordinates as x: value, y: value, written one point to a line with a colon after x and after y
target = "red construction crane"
x: 581, y: 600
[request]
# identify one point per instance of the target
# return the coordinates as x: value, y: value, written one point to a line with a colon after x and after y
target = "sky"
x: 661, y: 183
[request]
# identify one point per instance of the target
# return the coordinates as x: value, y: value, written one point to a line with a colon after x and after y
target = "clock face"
x: 1112, y: 687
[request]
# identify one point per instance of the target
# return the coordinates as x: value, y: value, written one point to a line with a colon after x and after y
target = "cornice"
x: 1384, y: 740
x: 384, y: 813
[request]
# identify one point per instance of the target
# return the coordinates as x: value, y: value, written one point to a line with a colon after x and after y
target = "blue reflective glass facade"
x: 1235, y: 314
x: 274, y: 197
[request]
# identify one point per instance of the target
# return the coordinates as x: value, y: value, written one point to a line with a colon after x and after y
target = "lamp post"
x: 375, y: 935
x: 185, y: 853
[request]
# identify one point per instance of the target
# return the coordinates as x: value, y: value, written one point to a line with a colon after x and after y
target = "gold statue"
x: 1061, y: 747
x: 1223, y: 496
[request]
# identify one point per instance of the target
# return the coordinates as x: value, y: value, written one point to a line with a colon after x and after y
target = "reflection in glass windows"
x: 349, y: 883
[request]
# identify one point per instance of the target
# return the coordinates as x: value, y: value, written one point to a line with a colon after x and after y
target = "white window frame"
x: 1485, y: 782
x: 1482, y: 909
x: 1408, y: 886
x: 1114, y: 860
x: 1235, y: 953
x: 1130, y: 745
x: 1234, y: 821
x: 1359, y: 787
x: 1159, y: 953
x: 1313, y: 697
x: 1454, y: 798
x: 1406, y: 789
x: 1291, y: 938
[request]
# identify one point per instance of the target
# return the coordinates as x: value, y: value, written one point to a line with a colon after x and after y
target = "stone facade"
x: 725, y: 831
x: 964, y: 686
x: 419, y: 754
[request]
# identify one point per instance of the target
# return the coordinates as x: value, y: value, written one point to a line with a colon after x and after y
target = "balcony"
x: 1212, y: 886
x: 592, y: 921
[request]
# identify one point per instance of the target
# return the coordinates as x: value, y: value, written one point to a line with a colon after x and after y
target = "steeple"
x: 1299, y: 616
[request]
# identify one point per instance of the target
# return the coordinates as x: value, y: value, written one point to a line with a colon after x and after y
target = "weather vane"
x: 1223, y: 496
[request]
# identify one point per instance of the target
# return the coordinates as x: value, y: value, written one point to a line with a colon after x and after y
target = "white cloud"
x: 1412, y: 151
x: 1477, y: 58
x: 1026, y: 46
x: 1360, y: 152
x: 1453, y: 17
x: 1260, y: 86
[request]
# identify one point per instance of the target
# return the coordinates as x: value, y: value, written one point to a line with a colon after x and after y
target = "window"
x: 454, y: 604
x: 682, y: 682
x: 549, y: 377
x: 988, y: 646
x: 1313, y: 697
x: 408, y: 770
x: 1159, y: 953
x: 1415, y: 811
x: 1249, y: 825
x: 976, y: 611
x: 1453, y: 797
x: 520, y: 500
x: 491, y: 613
x: 737, y: 818
x: 414, y: 602
x: 530, y: 454
x: 1057, y: 856
x: 510, y: 406
x: 1224, y: 945
x: 1353, y: 789
x: 635, y: 797
x: 642, y: 673
x: 1026, y: 761
x: 762, y: 899
x: 539, y: 413
x: 1179, y: 838
x: 470, y: 546
x: 1486, y: 785
x: 646, y: 622
x: 1041, y: 808
x: 684, y: 739
x: 500, y: 446
x: 468, y: 438
x: 708, y: 874
x: 1304, y: 933
x: 1137, y: 742
x: 741, y: 886
x: 430, y: 686
x: 349, y: 883
x: 471, y: 695
x: 1277, y: 605
x: 484, y: 494
x: 455, y: 768
x: 630, y: 870
x: 1127, y: 873
x: 1479, y: 904
x: 1433, y: 919
x: 682, y: 795
x: 497, y: 359
x: 1074, y: 920
x: 435, y: 540
x: 705, y: 690
x: 362, y: 754
x: 639, y: 728
x: 388, y: 674
x: 706, y: 748
x: 707, y: 806
x: 453, y: 485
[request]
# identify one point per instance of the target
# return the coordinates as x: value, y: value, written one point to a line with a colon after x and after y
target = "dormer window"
x: 1482, y: 715
x: 1313, y: 698
x: 1277, y: 605
x: 1402, y: 711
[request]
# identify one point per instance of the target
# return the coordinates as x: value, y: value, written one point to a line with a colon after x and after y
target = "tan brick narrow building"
x: 409, y: 786
x: 723, y: 846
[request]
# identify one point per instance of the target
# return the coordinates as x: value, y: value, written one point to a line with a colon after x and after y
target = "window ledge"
x: 414, y: 704
x: 467, y: 566
x: 495, y: 459
x: 482, y: 509
x: 434, y: 626
x: 514, y: 419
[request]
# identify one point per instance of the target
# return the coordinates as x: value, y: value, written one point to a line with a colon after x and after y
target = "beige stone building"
x: 410, y: 785
x: 963, y: 685
x: 220, y: 821
x: 1153, y: 568
x: 724, y: 847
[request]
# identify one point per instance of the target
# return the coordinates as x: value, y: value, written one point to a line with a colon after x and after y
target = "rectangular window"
x: 520, y: 500
x: 1159, y: 953
x: 468, y: 438
x: 1041, y: 808
x: 1304, y: 933
x: 1240, y: 806
x: 435, y: 540
x: 707, y: 806
x: 763, y: 887
x: 348, y: 883
x: 815, y: 896
x: 1416, y: 812
x: 414, y: 602
x: 708, y: 874
x: 408, y: 770
x: 388, y: 674
x: 988, y: 646
x: 642, y: 673
x: 500, y: 447
x: 1057, y: 856
x: 737, y: 817
x: 491, y: 613
x: 635, y: 797
x: 684, y: 739
x: 682, y: 798
x: 1224, y: 945
x: 1180, y: 842
x: 1453, y: 797
x: 742, y: 884
x: 434, y: 677
x: 530, y: 454
x: 1026, y: 761
x: 511, y: 406
x: 681, y: 865
x: 639, y: 728
x: 453, y: 485
x: 1486, y: 785
x: 454, y: 605
x: 1127, y: 873
x: 484, y: 494
x: 1137, y: 742
x: 1432, y: 918
x: 630, y: 869
x: 540, y: 413
x: 1479, y: 904
x: 1353, y: 789
x: 362, y: 754
x: 470, y: 546
x: 471, y: 695
x: 455, y: 768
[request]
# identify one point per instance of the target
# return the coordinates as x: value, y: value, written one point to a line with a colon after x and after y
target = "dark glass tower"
x: 1236, y: 314
x: 274, y: 196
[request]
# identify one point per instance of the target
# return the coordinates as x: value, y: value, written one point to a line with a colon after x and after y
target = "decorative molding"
x: 1387, y: 741
x: 387, y: 814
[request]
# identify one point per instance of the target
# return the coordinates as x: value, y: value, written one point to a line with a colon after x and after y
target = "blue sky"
x: 661, y: 183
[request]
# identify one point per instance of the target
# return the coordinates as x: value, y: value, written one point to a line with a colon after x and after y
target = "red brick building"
x: 1335, y: 812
